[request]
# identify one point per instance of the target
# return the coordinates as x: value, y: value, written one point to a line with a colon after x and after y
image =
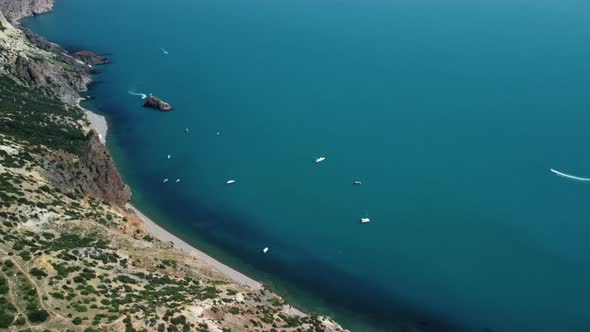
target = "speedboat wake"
x: 142, y: 95
x: 568, y: 176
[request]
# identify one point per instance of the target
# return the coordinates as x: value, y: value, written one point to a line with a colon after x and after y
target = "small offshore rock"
x: 157, y: 103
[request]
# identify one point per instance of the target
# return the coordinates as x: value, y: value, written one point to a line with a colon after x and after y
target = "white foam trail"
x: 143, y: 95
x: 567, y: 176
x: 164, y: 51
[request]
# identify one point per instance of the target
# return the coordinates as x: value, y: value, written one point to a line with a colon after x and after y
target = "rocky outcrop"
x: 90, y: 58
x: 27, y: 72
x: 42, y: 43
x: 64, y: 82
x: 93, y: 173
x: 103, y: 178
x: 59, y: 52
x: 157, y: 103
x: 14, y: 10
x: 34, y: 62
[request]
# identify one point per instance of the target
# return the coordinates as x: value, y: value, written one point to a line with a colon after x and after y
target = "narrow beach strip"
x: 166, y: 236
x: 97, y: 122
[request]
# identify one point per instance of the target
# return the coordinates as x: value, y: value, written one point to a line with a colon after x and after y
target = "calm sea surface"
x: 450, y: 112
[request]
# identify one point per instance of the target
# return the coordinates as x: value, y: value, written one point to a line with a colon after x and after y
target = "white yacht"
x: 357, y: 183
x: 165, y: 180
x: 320, y: 159
x: 177, y: 180
x: 169, y: 156
x: 230, y: 181
x: 365, y: 220
x: 265, y: 250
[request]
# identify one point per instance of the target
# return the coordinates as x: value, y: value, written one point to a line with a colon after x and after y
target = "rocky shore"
x: 91, y: 59
x: 74, y: 256
x: 16, y: 10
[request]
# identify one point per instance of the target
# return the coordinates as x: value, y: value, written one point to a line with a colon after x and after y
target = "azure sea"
x: 451, y: 113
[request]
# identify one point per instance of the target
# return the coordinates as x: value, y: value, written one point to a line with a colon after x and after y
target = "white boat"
x: 169, y: 156
x: 357, y: 183
x: 365, y: 219
x: 230, y: 181
x: 265, y: 250
x: 186, y: 130
x: 177, y: 180
x: 217, y: 133
x: 320, y: 159
x: 165, y: 180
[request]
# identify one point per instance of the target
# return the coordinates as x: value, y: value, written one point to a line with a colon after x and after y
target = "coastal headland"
x: 75, y: 254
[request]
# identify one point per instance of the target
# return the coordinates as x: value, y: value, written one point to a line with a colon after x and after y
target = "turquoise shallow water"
x: 451, y: 113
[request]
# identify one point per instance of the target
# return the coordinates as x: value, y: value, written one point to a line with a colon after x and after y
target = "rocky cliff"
x: 93, y: 173
x: 56, y: 73
x: 15, y: 10
x: 102, y: 177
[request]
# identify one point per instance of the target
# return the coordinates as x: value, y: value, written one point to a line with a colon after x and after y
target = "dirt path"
x: 33, y: 283
x: 10, y: 296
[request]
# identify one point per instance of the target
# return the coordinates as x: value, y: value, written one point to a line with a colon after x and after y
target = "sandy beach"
x: 164, y: 235
x: 97, y: 122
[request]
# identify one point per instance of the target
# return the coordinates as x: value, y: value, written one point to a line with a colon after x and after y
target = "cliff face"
x: 103, y: 178
x: 92, y: 174
x: 15, y: 10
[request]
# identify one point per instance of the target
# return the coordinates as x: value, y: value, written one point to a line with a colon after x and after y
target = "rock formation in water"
x: 90, y: 58
x: 14, y: 10
x: 157, y: 103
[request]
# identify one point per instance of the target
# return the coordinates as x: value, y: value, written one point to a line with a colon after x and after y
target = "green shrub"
x: 37, y: 273
x: 3, y: 285
x: 5, y: 319
x: 81, y: 308
x: 45, y: 121
x: 37, y: 315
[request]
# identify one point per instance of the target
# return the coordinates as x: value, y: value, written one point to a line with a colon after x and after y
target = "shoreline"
x: 100, y: 125
x: 97, y: 122
x: 166, y: 236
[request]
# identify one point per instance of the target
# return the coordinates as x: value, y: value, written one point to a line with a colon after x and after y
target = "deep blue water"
x: 450, y: 112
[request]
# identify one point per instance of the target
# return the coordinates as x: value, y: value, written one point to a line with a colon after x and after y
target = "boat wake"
x: 568, y: 176
x: 143, y: 95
